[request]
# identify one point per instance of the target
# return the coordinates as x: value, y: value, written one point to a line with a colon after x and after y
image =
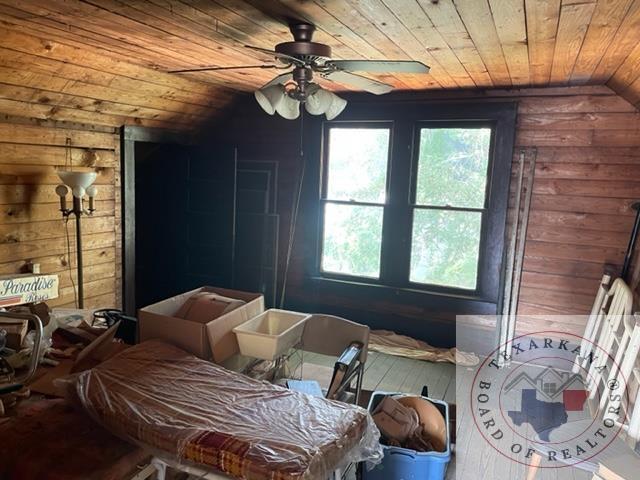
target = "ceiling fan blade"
x: 282, y: 78
x: 214, y: 69
x: 380, y: 66
x: 364, y: 83
x: 281, y: 56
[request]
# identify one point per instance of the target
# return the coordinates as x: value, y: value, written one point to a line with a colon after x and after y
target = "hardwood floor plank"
x: 396, y: 375
x: 377, y: 372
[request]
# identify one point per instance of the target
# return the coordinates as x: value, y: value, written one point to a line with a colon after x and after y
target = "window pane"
x: 452, y: 166
x: 352, y: 240
x: 444, y: 248
x: 357, y: 163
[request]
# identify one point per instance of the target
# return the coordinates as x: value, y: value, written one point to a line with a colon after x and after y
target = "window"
x: 549, y: 388
x: 412, y: 202
x: 354, y: 199
x: 450, y: 197
x: 450, y: 186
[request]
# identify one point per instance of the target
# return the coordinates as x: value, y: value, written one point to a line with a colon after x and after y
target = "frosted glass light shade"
x: 77, y: 179
x: 324, y: 101
x: 319, y: 102
x: 270, y: 98
x: 337, y: 106
x: 289, y: 108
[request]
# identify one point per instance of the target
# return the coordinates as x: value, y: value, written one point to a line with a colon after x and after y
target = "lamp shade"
x: 337, y: 106
x: 319, y: 102
x: 270, y: 98
x: 77, y: 179
x: 289, y: 108
x: 78, y: 191
x: 62, y: 190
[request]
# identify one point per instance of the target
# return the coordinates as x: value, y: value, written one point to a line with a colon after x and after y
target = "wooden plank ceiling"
x: 69, y: 48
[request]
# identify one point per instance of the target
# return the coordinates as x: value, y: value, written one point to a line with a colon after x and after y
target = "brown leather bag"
x: 396, y: 422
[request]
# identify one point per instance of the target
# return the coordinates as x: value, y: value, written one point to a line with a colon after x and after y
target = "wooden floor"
x: 474, y: 458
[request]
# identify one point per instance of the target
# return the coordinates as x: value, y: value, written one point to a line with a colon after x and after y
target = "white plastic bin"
x: 270, y: 334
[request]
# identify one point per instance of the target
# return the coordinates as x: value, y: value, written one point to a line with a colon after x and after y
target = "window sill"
x: 449, y: 301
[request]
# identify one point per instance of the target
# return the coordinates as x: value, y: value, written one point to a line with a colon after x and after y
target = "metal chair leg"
x: 359, y: 383
x: 161, y: 468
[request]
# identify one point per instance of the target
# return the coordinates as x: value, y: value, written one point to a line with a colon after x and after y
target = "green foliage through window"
x: 352, y: 240
x: 452, y: 172
x: 358, y: 164
x: 445, y: 248
x: 450, y: 190
x: 357, y: 173
x: 452, y: 166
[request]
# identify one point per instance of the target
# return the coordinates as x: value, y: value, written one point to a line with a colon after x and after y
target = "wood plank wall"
x: 586, y: 179
x: 52, y: 89
x: 587, y: 176
x: 31, y: 227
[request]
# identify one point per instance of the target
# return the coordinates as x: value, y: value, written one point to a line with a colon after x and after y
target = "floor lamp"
x: 80, y: 183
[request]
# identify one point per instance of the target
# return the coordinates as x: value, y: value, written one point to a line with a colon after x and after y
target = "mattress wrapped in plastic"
x: 196, y: 413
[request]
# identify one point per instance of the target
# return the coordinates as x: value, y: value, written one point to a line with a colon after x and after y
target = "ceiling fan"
x: 302, y: 58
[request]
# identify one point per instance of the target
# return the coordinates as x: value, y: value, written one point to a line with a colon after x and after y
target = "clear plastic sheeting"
x: 200, y: 414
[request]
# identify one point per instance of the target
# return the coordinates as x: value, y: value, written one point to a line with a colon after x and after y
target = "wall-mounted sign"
x: 28, y: 288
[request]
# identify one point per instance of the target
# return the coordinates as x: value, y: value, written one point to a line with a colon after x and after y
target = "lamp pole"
x: 77, y: 211
x: 80, y: 183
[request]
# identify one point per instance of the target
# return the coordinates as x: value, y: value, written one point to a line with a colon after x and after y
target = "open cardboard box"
x: 213, y: 339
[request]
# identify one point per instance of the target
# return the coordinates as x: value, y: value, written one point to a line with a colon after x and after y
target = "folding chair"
x: 335, y: 336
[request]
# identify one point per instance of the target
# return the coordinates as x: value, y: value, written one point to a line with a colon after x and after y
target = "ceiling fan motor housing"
x: 302, y: 47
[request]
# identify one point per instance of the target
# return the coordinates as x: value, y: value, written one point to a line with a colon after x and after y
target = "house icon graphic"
x: 546, y: 399
x: 550, y: 384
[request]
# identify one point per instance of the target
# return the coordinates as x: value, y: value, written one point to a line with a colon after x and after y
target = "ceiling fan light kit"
x: 287, y: 91
x: 270, y: 97
x: 319, y: 102
x: 325, y: 102
x: 337, y: 106
x: 288, y: 108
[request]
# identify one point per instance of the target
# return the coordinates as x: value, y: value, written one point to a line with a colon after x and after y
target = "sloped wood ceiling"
x: 71, y: 47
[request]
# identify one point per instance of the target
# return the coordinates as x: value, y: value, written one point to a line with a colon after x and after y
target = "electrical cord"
x: 294, y: 213
x: 73, y: 283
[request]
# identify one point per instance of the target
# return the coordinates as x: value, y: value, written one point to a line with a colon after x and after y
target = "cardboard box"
x: 16, y: 331
x: 208, y: 340
x: 28, y: 288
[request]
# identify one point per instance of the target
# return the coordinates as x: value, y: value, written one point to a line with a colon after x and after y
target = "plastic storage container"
x: 270, y: 334
x: 406, y: 464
